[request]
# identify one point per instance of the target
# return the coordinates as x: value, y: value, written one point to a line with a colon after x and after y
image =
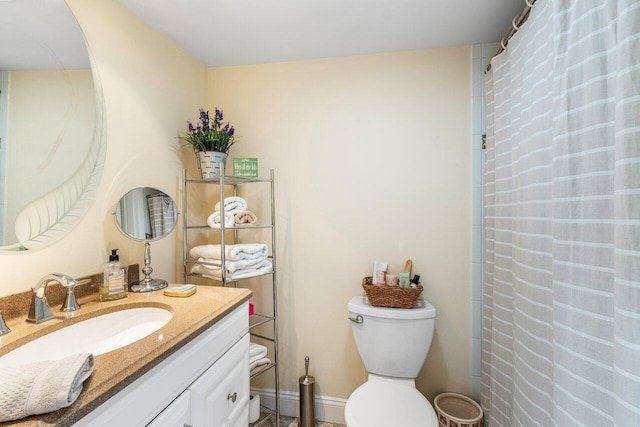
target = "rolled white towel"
x: 259, y: 365
x: 232, y: 204
x: 232, y: 266
x: 42, y: 387
x: 256, y: 351
x: 214, y: 220
x: 232, y: 252
x: 245, y: 218
x: 214, y: 272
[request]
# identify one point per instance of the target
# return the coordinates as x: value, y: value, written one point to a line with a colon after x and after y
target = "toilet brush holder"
x: 307, y: 413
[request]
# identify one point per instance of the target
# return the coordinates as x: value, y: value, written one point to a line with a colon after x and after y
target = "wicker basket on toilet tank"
x: 391, y: 296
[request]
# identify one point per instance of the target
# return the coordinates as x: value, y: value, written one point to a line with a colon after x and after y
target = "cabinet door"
x: 174, y: 415
x: 220, y: 396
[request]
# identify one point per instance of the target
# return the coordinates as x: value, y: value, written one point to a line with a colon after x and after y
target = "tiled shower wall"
x: 481, y: 54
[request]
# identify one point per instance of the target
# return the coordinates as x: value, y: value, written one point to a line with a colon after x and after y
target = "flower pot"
x: 209, y: 163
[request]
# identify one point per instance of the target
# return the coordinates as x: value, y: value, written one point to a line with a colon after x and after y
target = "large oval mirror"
x: 52, y: 142
x: 146, y: 214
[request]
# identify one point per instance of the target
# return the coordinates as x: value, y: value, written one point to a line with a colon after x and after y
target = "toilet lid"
x: 387, y: 404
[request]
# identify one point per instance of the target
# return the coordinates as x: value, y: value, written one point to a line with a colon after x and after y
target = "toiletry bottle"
x: 379, y: 267
x: 114, y: 285
x: 415, y: 281
x: 403, y: 277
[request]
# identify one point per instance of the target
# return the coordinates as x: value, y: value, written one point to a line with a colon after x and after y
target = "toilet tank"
x: 393, y: 342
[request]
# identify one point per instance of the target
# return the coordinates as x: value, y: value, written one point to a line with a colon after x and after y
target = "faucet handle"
x: 39, y: 311
x: 70, y: 303
x: 4, y: 329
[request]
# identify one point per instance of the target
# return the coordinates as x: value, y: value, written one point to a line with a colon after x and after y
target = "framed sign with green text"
x: 246, y: 167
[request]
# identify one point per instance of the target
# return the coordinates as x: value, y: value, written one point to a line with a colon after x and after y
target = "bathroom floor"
x: 287, y: 422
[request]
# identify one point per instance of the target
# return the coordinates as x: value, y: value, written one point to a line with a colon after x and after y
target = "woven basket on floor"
x: 390, y: 296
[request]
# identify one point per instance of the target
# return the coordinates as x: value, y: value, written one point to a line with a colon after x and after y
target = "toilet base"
x: 384, y: 402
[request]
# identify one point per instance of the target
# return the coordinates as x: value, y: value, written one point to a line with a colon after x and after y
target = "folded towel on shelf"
x: 245, y: 218
x: 215, y: 273
x: 214, y: 220
x: 259, y: 365
x: 256, y: 352
x: 232, y: 204
x: 233, y: 266
x: 256, y: 358
x: 42, y: 387
x: 232, y: 252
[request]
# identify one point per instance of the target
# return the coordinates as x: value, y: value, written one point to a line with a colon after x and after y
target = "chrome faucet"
x: 40, y: 310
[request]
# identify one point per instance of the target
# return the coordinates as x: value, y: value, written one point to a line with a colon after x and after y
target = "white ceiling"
x: 38, y: 34
x: 237, y: 32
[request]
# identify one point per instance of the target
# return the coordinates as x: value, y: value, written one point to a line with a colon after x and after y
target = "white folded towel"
x: 214, y: 220
x: 245, y: 218
x: 258, y: 357
x: 256, y: 352
x: 232, y: 204
x: 232, y: 266
x: 215, y: 273
x: 42, y: 387
x: 258, y: 365
x: 232, y: 252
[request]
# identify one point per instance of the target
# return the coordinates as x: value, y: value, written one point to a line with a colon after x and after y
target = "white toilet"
x: 393, y: 344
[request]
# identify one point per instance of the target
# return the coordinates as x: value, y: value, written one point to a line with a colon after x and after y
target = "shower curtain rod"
x: 516, y: 23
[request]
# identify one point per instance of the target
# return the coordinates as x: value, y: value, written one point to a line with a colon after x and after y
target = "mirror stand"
x: 147, y: 284
x: 146, y: 214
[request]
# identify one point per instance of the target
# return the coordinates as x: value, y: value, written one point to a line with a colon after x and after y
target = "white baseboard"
x: 329, y: 409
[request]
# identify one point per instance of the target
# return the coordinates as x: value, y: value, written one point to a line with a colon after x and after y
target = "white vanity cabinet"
x: 220, y: 397
x: 177, y: 414
x: 205, y: 383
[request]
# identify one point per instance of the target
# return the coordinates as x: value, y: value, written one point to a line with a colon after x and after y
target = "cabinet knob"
x: 232, y: 397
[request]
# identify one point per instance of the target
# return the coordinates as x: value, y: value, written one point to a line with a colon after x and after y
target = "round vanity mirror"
x: 52, y: 142
x: 146, y: 214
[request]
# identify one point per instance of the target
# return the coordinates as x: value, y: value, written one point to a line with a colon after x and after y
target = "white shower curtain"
x: 561, y: 311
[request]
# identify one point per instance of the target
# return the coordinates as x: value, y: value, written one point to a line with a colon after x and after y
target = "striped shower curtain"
x: 162, y: 215
x: 561, y: 310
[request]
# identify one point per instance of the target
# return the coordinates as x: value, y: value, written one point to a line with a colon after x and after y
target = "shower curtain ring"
x: 529, y: 4
x: 513, y: 24
x: 504, y: 46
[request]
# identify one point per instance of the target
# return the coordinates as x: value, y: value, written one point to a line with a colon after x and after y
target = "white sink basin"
x: 97, y: 335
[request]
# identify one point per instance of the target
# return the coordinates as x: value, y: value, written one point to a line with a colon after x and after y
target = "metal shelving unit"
x: 255, y: 320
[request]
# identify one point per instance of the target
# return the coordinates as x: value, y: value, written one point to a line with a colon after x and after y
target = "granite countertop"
x: 117, y: 369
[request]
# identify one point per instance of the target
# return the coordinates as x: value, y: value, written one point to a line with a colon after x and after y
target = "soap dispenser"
x: 114, y: 285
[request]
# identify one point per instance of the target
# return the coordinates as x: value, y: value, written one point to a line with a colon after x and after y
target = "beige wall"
x: 151, y: 88
x: 372, y: 163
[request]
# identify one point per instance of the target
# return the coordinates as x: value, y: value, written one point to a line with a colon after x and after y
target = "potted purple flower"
x: 211, y: 140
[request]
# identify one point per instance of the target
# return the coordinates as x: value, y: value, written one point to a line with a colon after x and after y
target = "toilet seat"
x: 384, y: 403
